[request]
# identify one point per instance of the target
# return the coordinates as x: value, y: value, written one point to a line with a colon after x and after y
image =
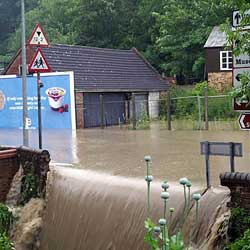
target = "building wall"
x: 217, y: 78
x: 79, y: 110
x: 220, y: 80
x: 153, y: 104
x: 14, y: 67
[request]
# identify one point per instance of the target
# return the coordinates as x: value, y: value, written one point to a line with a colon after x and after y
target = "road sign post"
x: 38, y: 65
x: 230, y: 149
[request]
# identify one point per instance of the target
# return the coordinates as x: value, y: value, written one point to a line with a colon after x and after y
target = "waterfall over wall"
x: 92, y: 211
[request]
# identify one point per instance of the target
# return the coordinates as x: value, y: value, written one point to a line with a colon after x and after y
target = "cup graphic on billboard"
x: 2, y: 100
x: 56, y: 98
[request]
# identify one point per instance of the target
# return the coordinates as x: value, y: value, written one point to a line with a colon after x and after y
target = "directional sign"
x: 39, y: 63
x: 237, y: 73
x: 38, y: 37
x: 242, y: 61
x: 244, y: 121
x: 237, y: 18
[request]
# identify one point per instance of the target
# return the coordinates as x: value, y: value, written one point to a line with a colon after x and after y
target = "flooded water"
x: 121, y: 152
x: 94, y: 211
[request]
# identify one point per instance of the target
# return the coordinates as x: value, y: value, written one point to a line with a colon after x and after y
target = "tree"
x: 184, y: 28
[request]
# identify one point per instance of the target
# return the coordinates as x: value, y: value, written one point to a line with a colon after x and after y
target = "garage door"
x: 114, y: 109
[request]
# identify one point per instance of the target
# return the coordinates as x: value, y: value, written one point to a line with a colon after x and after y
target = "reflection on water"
x: 120, y: 151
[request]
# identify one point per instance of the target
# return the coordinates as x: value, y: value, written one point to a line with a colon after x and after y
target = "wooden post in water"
x: 169, y: 109
x: 134, y: 111
x: 206, y: 108
x: 101, y: 111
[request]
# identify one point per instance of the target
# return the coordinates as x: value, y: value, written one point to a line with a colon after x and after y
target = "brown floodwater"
x: 116, y: 151
x: 87, y: 210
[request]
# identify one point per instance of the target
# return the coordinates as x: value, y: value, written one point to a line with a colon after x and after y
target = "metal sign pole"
x: 39, y: 110
x: 24, y: 81
x: 207, y: 164
x: 232, y: 157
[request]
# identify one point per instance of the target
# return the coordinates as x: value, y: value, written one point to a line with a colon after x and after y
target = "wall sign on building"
x: 57, y: 101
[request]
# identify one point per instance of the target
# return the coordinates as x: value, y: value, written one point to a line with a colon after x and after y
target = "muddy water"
x: 120, y: 151
x: 93, y: 211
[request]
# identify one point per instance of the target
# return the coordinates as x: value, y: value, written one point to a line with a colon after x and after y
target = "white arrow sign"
x: 38, y: 37
x: 237, y: 18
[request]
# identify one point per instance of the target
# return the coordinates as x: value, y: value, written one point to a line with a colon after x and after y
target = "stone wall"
x: 220, y: 80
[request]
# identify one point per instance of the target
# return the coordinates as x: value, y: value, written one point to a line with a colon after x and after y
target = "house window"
x: 226, y: 60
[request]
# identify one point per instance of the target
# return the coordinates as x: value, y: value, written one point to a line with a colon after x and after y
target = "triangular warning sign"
x: 39, y: 63
x: 38, y: 37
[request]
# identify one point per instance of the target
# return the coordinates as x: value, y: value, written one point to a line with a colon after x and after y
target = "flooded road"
x: 120, y: 151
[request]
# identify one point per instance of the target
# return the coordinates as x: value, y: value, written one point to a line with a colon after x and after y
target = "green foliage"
x: 6, y: 219
x: 239, y: 221
x: 184, y: 104
x: 5, y: 243
x: 184, y: 28
x: 143, y: 121
x: 242, y: 92
x: 243, y: 243
x: 29, y: 188
x: 151, y: 237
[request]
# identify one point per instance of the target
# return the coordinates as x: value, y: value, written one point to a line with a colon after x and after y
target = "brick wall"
x: 9, y: 165
x: 79, y: 110
x: 13, y: 69
x: 239, y: 185
x: 220, y: 80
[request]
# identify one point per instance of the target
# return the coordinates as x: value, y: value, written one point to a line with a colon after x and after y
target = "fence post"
x: 101, y: 111
x: 206, y: 108
x: 169, y: 109
x: 134, y: 111
x: 199, y: 112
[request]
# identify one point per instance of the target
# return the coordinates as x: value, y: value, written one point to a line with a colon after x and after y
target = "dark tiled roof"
x: 98, y: 69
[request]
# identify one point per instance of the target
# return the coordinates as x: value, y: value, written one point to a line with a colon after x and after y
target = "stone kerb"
x: 239, y: 185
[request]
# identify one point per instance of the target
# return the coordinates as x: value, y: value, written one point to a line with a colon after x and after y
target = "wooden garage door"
x: 114, y: 109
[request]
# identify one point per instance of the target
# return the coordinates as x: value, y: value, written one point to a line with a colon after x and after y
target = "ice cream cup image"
x: 56, y: 97
x: 2, y: 100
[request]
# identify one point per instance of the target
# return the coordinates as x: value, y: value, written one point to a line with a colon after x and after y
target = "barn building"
x: 218, y: 60
x: 112, y: 73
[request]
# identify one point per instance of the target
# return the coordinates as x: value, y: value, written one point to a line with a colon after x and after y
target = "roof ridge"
x: 90, y: 47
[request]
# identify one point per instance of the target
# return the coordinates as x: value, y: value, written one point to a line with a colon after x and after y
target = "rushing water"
x: 87, y: 210
x: 120, y: 151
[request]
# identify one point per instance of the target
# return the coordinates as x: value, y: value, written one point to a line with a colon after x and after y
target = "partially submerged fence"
x: 186, y: 112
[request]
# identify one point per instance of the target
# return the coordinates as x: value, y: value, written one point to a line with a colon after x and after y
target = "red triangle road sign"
x: 38, y: 37
x: 39, y: 63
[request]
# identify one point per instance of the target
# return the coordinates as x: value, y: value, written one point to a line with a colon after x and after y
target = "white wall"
x: 153, y: 104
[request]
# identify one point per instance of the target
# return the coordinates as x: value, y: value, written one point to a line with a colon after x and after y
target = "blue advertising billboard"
x: 57, y: 101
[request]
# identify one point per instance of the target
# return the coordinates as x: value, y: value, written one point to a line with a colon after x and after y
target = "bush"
x: 242, y: 243
x: 5, y: 243
x: 6, y: 219
x: 187, y: 108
